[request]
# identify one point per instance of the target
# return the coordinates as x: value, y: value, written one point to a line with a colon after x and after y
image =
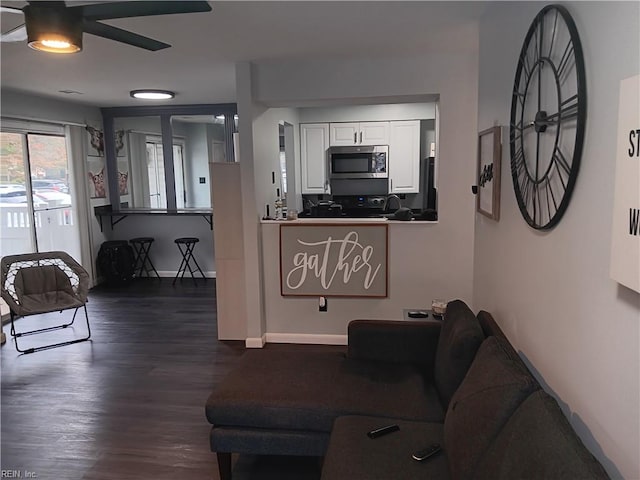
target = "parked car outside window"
x: 38, y: 184
x: 18, y: 195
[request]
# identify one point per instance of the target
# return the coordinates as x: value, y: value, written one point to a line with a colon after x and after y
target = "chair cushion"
x: 494, y: 387
x: 537, y: 442
x: 313, y: 388
x: 41, y: 279
x: 460, y: 338
x: 44, y: 289
x: 352, y: 455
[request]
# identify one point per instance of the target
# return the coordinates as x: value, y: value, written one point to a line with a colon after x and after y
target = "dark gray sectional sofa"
x: 456, y: 382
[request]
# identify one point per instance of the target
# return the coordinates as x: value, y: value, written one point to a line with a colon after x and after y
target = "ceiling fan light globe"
x: 55, y: 44
x: 53, y: 30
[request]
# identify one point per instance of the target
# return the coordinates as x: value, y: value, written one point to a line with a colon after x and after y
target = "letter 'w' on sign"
x: 342, y: 260
x: 634, y: 219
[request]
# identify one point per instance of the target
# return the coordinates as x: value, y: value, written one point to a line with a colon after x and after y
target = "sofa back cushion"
x: 496, y: 384
x: 459, y: 340
x: 538, y: 442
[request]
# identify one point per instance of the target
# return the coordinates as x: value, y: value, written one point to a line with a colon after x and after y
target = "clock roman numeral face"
x: 548, y: 112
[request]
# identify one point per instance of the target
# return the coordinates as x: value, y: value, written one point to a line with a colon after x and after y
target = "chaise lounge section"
x: 285, y: 403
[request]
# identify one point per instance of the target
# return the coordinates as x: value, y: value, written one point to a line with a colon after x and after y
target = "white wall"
x: 418, y: 273
x: 452, y: 77
x: 196, y: 165
x: 368, y: 113
x: 21, y: 105
x: 267, y: 154
x: 551, y: 292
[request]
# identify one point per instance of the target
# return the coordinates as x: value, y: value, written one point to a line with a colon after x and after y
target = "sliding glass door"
x: 37, y: 213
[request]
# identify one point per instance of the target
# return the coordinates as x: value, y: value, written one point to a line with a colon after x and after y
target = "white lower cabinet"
x: 404, y: 156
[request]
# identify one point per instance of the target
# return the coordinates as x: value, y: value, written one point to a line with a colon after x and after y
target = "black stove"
x: 361, y: 205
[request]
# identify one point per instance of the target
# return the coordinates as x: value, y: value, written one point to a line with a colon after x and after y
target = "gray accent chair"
x: 37, y: 283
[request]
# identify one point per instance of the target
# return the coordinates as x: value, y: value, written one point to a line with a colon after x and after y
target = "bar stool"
x: 142, y: 262
x: 186, y: 246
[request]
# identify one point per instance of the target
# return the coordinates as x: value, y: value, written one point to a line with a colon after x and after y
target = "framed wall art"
x: 96, y: 177
x: 347, y: 260
x: 95, y: 142
x: 489, y: 154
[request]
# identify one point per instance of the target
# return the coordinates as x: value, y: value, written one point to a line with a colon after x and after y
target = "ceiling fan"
x: 58, y: 28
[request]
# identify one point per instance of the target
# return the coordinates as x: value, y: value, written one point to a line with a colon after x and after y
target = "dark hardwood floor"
x: 129, y: 403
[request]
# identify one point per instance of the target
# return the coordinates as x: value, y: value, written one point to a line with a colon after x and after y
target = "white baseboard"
x: 255, y: 342
x: 307, y: 338
x: 171, y: 274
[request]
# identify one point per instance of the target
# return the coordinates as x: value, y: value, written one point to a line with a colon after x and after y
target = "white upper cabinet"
x: 344, y: 134
x: 359, y: 133
x: 374, y: 133
x: 314, y: 141
x: 404, y: 156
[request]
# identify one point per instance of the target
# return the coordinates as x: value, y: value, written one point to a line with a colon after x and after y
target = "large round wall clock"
x: 548, y: 114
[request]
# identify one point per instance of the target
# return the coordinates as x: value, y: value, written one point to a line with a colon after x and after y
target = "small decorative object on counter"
x: 438, y: 307
x: 292, y: 214
x: 278, y: 205
x: 267, y: 215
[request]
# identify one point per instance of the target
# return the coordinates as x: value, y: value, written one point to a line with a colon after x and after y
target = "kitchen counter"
x: 329, y: 220
x: 117, y: 216
x: 341, y: 220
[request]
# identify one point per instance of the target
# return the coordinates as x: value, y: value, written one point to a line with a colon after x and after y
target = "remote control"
x: 428, y: 452
x: 378, y: 432
x: 418, y: 314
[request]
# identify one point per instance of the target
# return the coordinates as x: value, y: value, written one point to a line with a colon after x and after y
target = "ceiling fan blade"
x: 47, y: 4
x: 17, y: 34
x: 120, y: 35
x: 10, y: 10
x: 105, y: 11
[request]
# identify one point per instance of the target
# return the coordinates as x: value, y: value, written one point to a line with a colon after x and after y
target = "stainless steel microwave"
x: 359, y: 162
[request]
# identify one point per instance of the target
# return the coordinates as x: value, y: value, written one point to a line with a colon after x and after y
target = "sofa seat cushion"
x: 496, y: 384
x: 538, y: 443
x: 308, y: 390
x: 259, y: 441
x: 352, y: 455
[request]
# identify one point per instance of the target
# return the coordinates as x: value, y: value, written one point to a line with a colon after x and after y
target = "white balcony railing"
x: 55, y: 227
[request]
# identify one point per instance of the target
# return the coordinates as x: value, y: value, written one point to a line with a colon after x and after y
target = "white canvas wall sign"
x: 625, y: 238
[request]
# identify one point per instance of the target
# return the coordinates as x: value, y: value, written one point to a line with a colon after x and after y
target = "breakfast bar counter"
x: 116, y: 217
x: 315, y: 285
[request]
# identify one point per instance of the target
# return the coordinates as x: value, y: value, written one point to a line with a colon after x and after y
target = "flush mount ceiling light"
x: 147, y: 94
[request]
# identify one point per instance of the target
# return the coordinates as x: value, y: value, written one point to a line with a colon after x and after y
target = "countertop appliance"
x: 361, y: 205
x: 326, y: 209
x: 359, y: 162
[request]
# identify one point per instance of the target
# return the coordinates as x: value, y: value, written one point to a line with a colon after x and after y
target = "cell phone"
x: 428, y: 452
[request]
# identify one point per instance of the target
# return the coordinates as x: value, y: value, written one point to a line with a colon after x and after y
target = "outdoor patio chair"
x: 36, y: 283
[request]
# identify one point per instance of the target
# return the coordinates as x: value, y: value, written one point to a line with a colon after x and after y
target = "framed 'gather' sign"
x: 489, y: 153
x: 332, y: 260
